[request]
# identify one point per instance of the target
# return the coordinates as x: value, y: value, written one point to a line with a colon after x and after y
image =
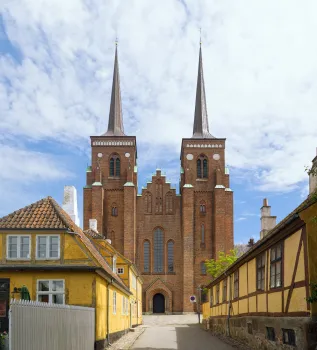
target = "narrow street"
x: 180, y: 332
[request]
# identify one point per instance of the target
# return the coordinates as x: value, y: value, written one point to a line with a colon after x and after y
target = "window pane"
x: 273, y: 254
x: 13, y: 247
x: 205, y: 166
x: 24, y: 247
x: 199, y: 168
x: 203, y: 268
x: 146, y: 267
x: 278, y: 251
x: 54, y: 247
x: 111, y: 167
x: 158, y: 250
x: 57, y: 286
x: 43, y: 298
x: 170, y: 256
x: 41, y: 247
x: 117, y: 167
x: 44, y: 286
x: 58, y: 298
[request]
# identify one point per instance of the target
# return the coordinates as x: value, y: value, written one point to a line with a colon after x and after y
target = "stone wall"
x: 252, y: 330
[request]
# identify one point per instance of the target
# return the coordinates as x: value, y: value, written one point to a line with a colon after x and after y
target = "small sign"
x: 192, y: 299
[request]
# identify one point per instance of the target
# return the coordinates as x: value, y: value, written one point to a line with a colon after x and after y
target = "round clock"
x: 216, y: 156
x: 190, y: 156
x: 99, y: 155
x: 127, y: 155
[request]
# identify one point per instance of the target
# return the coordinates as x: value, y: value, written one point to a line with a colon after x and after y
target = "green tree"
x: 216, y: 267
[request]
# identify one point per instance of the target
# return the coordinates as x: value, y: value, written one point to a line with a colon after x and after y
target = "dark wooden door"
x: 158, y: 304
x: 4, y: 304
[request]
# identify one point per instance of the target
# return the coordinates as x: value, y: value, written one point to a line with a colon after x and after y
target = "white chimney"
x: 267, y: 221
x: 93, y: 224
x: 70, y: 203
x: 108, y: 240
x: 313, y: 177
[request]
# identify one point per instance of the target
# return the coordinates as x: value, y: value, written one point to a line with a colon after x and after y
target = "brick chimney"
x: 267, y: 221
x: 313, y: 177
x: 70, y: 203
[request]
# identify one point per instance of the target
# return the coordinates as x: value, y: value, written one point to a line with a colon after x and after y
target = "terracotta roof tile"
x: 94, y: 234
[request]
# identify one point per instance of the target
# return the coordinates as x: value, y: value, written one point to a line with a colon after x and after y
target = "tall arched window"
x: 202, y: 167
x: 146, y: 256
x: 158, y: 250
x: 148, y: 202
x: 114, y: 165
x: 203, y: 268
x: 203, y: 233
x: 159, y: 197
x: 170, y: 256
x: 169, y: 202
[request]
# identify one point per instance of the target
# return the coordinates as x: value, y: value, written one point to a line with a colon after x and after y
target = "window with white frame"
x: 18, y: 247
x: 123, y: 306
x: 120, y: 270
x: 51, y: 291
x: 47, y: 247
x: 114, y: 264
x: 133, y: 281
x: 114, y: 303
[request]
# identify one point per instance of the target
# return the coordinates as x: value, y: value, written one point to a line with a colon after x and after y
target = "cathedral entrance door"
x: 158, y: 303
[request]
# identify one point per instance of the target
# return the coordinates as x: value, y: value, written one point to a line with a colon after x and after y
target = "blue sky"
x: 56, y: 63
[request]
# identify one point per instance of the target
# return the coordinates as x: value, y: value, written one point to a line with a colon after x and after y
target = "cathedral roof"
x: 115, y: 124
x: 201, y: 127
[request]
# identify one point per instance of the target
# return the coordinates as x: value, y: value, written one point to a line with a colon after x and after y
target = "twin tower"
x: 168, y: 236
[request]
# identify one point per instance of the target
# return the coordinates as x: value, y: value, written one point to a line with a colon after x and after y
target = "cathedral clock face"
x: 189, y: 156
x: 127, y: 155
x: 99, y: 155
x: 216, y: 156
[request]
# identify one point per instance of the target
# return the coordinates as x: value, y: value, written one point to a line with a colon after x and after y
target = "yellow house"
x: 41, y: 248
x: 262, y: 297
x: 127, y: 271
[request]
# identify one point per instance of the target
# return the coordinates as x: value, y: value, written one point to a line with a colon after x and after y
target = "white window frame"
x: 114, y: 264
x: 134, y: 282
x: 19, y: 247
x: 50, y: 293
x: 114, y: 303
x: 120, y: 268
x: 48, y: 247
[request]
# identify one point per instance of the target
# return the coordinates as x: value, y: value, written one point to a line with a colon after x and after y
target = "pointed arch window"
x: 203, y: 268
x: 146, y: 256
x: 114, y: 210
x: 170, y: 256
x: 159, y: 197
x: 202, y: 167
x: 148, y: 202
x: 114, y: 165
x: 169, y: 203
x: 158, y: 250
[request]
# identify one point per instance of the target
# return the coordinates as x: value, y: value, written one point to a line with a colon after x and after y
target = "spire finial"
x: 200, y: 36
x: 116, y: 42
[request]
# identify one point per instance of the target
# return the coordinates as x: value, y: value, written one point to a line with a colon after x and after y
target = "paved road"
x: 172, y: 333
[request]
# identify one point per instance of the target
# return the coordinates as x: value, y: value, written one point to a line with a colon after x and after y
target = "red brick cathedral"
x: 167, y: 235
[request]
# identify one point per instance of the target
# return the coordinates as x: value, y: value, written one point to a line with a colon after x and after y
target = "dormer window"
x: 202, y: 167
x: 114, y: 166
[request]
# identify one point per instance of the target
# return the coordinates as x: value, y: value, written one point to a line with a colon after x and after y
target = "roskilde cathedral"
x: 167, y: 235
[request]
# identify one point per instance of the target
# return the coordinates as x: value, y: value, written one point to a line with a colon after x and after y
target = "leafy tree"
x: 313, y: 297
x: 216, y: 267
x: 313, y: 171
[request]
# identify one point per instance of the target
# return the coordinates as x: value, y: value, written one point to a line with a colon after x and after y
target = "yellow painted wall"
x: 298, y: 301
x: 101, y: 308
x: 290, y: 250
x: 243, y: 306
x: 252, y: 276
x: 118, y: 321
x: 243, y: 286
x: 79, y: 286
x: 252, y: 304
x: 261, y: 302
x: 275, y: 302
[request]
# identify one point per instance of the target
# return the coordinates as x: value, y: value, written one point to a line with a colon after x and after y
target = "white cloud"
x: 260, y: 74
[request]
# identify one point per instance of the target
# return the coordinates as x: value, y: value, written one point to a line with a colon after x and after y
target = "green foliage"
x: 2, y: 337
x: 313, y: 171
x: 216, y: 267
x: 313, y: 297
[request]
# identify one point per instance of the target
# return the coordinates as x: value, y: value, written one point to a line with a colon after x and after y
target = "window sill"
x: 114, y: 177
x: 276, y: 289
x: 41, y: 259
x: 18, y: 259
x: 202, y: 179
x: 171, y: 273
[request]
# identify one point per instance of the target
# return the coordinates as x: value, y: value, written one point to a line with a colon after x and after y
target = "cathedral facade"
x: 167, y: 235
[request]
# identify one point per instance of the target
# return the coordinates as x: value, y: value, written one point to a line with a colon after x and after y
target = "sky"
x: 56, y: 65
